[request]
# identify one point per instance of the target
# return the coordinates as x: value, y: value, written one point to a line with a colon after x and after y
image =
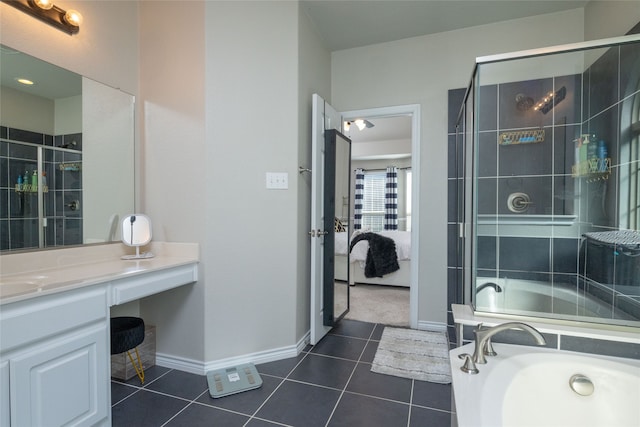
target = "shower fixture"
x: 518, y: 202
x: 524, y: 102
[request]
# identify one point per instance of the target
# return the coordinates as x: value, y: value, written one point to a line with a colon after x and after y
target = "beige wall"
x: 610, y: 18
x: 25, y: 111
x: 175, y: 170
x: 251, y: 128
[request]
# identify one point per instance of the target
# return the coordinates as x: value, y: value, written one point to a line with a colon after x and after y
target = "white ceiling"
x: 346, y: 24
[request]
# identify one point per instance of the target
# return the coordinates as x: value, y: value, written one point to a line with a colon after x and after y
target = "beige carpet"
x: 388, y: 305
x: 409, y: 353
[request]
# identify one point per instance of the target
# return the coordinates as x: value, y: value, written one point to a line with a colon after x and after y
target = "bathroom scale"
x: 228, y: 381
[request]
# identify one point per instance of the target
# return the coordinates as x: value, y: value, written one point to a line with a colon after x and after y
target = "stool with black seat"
x: 128, y: 333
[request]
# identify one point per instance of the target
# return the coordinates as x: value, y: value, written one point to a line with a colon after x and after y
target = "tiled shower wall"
x: 598, y: 102
x: 19, y: 211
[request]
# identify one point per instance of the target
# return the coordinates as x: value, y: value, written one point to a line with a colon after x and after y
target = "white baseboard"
x: 201, y: 368
x: 432, y: 326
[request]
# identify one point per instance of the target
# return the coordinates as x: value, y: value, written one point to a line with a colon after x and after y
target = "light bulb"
x: 73, y: 17
x: 43, y: 4
x: 360, y: 124
x: 347, y: 125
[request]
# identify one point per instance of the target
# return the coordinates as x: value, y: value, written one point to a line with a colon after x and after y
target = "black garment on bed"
x: 382, y: 257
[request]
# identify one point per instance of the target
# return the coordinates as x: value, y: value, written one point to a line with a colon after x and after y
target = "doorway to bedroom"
x: 383, y: 166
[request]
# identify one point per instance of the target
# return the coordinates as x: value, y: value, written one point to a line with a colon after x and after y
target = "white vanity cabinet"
x: 55, y: 346
x: 54, y: 361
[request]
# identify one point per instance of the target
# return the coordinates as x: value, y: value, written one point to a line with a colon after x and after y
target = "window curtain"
x: 359, y: 195
x: 391, y: 199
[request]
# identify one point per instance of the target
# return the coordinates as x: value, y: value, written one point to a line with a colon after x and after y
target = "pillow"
x: 338, y: 227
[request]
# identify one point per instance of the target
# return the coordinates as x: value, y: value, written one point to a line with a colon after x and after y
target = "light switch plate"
x: 277, y: 180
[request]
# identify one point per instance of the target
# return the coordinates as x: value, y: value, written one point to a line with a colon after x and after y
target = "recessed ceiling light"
x: 24, y: 81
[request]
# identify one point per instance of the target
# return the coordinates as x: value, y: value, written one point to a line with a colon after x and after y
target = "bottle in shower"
x: 602, y: 156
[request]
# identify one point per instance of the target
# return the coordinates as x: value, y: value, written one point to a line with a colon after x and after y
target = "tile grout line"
x: 253, y: 416
x: 346, y: 384
x: 138, y: 388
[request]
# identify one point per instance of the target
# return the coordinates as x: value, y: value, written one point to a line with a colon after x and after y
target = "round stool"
x: 128, y: 333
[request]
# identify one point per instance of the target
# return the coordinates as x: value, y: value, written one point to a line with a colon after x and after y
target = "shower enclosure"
x: 546, y: 184
x: 45, y: 190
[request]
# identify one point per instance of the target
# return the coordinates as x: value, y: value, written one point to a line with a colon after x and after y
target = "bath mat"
x: 409, y: 353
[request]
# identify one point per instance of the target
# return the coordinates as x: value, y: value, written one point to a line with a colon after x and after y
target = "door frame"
x: 412, y: 110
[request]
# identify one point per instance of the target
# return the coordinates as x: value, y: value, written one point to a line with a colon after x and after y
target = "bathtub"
x: 533, y: 298
x: 531, y: 387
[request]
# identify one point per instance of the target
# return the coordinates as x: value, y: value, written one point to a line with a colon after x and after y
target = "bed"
x: 355, y: 267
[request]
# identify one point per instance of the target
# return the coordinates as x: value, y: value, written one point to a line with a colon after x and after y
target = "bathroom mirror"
x: 77, y: 135
x: 337, y: 181
x: 136, y: 231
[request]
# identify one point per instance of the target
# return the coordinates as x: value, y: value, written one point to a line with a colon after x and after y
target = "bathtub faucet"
x: 495, y: 287
x: 483, y: 345
x: 483, y: 338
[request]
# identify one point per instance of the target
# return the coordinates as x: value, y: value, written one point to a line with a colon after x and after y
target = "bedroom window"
x: 373, y: 200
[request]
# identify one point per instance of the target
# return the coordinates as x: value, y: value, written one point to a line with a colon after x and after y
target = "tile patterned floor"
x: 329, y: 384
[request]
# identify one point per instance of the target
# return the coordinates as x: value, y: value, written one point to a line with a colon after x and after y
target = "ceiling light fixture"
x: 66, y: 20
x: 24, y: 81
x: 360, y: 123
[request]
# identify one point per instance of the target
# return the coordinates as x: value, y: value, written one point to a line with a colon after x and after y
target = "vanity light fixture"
x: 66, y: 20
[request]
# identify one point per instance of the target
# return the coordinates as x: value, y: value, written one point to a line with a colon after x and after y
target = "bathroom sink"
x: 17, y: 287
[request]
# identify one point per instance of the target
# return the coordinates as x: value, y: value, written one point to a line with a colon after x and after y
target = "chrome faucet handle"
x: 469, y: 366
x: 488, y: 348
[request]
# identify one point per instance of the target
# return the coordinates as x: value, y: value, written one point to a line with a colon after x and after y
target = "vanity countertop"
x: 29, y: 275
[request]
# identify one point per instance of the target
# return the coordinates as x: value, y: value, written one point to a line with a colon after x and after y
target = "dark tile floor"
x: 329, y: 384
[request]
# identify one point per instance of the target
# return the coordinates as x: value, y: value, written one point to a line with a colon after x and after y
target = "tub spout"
x: 495, y: 287
x: 483, y: 338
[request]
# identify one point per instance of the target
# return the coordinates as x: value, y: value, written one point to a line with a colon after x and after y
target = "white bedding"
x: 359, y: 252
